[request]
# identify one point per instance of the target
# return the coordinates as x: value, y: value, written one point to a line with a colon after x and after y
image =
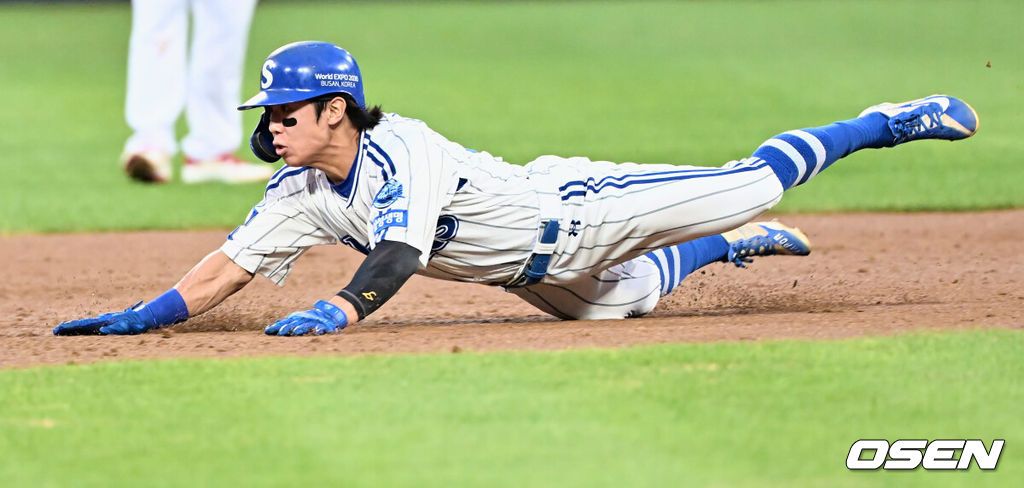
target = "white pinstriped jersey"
x: 475, y: 218
x: 471, y: 215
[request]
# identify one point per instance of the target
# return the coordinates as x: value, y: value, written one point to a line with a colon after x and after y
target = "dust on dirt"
x: 868, y: 274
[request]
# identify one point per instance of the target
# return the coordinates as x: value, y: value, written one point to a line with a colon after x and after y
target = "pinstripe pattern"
x: 673, y: 205
x: 611, y: 215
x: 628, y: 290
x: 720, y: 224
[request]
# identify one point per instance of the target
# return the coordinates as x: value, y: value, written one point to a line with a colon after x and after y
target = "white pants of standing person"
x: 166, y: 75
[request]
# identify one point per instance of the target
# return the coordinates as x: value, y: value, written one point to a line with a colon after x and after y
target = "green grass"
x: 683, y: 82
x: 724, y: 414
x: 679, y: 82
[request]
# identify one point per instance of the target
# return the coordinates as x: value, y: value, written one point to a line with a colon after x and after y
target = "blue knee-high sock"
x: 796, y: 156
x: 676, y: 262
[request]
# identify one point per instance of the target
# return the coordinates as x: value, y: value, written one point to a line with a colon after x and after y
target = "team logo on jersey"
x: 388, y: 194
x: 447, y: 227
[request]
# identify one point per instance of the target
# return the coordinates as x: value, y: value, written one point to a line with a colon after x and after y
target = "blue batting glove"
x: 324, y: 318
x: 118, y: 323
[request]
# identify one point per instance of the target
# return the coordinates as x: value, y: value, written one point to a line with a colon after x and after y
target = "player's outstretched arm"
x: 383, y: 272
x: 207, y: 284
x: 211, y: 281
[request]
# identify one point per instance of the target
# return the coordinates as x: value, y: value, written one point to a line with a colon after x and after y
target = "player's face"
x: 298, y: 135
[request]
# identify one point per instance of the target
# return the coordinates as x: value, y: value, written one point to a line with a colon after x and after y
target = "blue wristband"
x: 165, y: 309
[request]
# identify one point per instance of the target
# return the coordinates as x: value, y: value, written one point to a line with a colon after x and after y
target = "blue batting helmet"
x: 303, y: 70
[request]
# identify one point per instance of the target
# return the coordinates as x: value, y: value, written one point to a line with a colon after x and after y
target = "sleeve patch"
x: 388, y: 194
x: 391, y: 218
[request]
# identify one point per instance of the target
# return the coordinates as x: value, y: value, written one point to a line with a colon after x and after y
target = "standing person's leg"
x: 216, y: 60
x: 156, y: 86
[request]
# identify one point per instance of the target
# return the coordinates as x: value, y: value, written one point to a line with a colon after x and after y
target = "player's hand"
x: 324, y: 318
x: 118, y: 323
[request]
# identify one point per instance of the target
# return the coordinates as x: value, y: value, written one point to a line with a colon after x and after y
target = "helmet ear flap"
x: 262, y: 141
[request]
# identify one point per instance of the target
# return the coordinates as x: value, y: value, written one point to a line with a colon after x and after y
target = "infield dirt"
x: 868, y: 274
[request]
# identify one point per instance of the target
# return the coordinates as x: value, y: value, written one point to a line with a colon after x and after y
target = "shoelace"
x: 740, y: 251
x: 906, y: 125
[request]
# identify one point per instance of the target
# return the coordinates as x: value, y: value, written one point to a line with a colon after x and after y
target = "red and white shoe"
x: 149, y: 166
x: 224, y: 169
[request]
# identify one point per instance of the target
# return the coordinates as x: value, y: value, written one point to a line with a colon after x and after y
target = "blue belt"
x: 537, y: 265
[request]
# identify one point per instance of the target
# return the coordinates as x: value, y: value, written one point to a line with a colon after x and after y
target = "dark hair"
x: 361, y: 118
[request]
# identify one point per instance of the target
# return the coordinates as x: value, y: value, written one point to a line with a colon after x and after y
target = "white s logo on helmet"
x: 268, y: 78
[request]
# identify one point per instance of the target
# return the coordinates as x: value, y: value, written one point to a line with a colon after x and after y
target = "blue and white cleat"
x: 934, y: 117
x: 765, y: 239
